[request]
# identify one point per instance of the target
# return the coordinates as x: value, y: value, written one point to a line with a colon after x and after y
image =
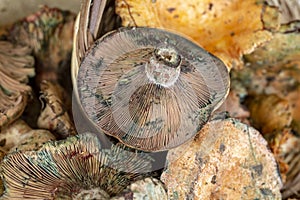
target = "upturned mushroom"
x: 150, y: 88
x: 75, y: 168
x: 48, y: 32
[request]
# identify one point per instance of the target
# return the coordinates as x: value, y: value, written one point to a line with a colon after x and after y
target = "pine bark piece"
x: 228, y: 160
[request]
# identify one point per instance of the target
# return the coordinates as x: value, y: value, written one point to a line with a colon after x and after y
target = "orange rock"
x: 226, y: 28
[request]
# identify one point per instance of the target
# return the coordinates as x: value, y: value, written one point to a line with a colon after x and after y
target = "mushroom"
x: 150, y: 88
x: 74, y: 168
x: 54, y: 115
x: 12, y: 134
x: 15, y: 67
x: 228, y: 29
x: 226, y: 160
x: 148, y: 188
x: 20, y: 136
x: 49, y: 33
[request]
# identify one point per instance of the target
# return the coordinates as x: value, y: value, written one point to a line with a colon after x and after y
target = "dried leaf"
x: 234, y: 107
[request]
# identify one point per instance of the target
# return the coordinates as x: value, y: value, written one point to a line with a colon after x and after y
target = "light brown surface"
x: 226, y: 160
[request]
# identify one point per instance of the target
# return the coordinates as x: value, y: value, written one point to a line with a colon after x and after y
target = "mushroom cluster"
x: 149, y: 93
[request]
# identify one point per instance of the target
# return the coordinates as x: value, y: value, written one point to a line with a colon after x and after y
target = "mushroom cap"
x: 70, y: 168
x: 150, y: 88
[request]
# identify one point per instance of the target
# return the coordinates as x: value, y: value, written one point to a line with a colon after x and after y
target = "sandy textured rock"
x: 227, y: 160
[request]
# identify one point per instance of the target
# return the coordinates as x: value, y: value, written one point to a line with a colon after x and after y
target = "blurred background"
x: 12, y: 10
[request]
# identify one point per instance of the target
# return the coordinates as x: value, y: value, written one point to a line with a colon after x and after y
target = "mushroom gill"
x: 70, y: 169
x: 150, y: 88
x: 16, y: 65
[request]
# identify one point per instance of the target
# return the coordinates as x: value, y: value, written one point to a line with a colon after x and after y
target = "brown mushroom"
x: 15, y: 67
x: 54, y: 115
x: 74, y: 168
x: 2, y: 154
x: 49, y: 33
x: 150, y: 88
x: 226, y: 160
x: 20, y: 136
